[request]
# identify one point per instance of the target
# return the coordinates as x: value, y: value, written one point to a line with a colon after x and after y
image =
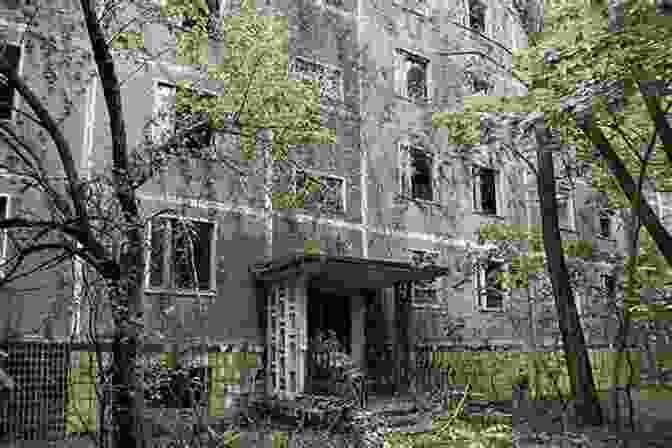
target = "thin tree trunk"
x: 587, y: 405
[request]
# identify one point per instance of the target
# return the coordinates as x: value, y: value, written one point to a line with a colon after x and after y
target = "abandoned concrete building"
x: 393, y: 228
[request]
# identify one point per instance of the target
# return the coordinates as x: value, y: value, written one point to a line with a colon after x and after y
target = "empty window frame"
x: 181, y: 254
x: 168, y: 121
x: 417, y: 172
x: 329, y: 78
x: 12, y: 54
x: 424, y: 291
x: 609, y: 285
x: 605, y: 224
x: 564, y: 198
x: 485, y: 190
x: 412, y: 75
x: 323, y: 191
x: 489, y: 289
x: 4, y: 238
x: 477, y: 16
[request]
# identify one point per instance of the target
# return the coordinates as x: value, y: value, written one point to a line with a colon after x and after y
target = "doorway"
x: 330, y: 311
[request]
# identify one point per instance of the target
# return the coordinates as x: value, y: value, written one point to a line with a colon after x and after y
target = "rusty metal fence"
x: 35, y: 409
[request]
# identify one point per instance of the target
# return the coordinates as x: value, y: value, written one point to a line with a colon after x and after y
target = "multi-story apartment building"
x: 400, y: 193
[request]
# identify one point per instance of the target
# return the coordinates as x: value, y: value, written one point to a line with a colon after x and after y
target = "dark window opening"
x: 605, y: 225
x: 417, y: 80
x: 422, y: 175
x: 328, y: 194
x: 609, y: 283
x: 180, y: 252
x: 491, y: 295
x: 487, y: 192
x: 11, y: 54
x: 477, y: 16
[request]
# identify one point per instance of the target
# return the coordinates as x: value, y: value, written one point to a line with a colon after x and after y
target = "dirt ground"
x: 542, y: 426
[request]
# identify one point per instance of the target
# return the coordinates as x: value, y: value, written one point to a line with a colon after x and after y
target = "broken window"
x: 181, y: 254
x: 605, y: 224
x: 168, y: 121
x: 4, y: 239
x: 421, y: 181
x: 12, y: 54
x: 485, y: 191
x: 477, y: 16
x: 329, y: 78
x: 565, y: 206
x: 424, y: 290
x: 489, y: 289
x: 412, y: 75
x: 609, y: 285
x: 321, y: 190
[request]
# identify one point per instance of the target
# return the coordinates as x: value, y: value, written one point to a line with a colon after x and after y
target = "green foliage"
x: 493, y: 374
x: 565, y: 70
x: 312, y: 247
x: 523, y: 245
x: 82, y: 402
x: 256, y: 89
x: 253, y: 71
x: 128, y: 40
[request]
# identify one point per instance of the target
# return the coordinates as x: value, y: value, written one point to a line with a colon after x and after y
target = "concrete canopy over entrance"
x: 345, y: 273
x: 286, y: 283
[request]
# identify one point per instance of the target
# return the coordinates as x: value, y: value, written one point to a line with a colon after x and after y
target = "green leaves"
x: 253, y: 73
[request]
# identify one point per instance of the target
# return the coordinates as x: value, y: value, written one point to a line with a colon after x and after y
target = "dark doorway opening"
x: 330, y: 311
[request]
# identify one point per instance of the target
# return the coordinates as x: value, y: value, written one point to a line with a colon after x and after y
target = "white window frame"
x: 609, y: 215
x: 569, y: 204
x: 326, y: 69
x: 322, y: 174
x: 435, y: 254
x: 405, y: 165
x: 480, y: 280
x: 19, y: 30
x: 212, y: 289
x: 664, y: 211
x: 5, y: 237
x: 477, y: 205
x: 402, y: 57
x: 155, y: 107
x: 603, y: 281
x: 485, y: 15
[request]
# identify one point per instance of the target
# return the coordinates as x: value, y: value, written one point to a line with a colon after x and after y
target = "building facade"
x: 396, y: 214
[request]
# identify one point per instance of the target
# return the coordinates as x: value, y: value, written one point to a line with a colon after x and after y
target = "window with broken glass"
x: 485, y: 190
x: 181, y: 255
x: 424, y: 291
x: 417, y: 172
x: 330, y: 79
x: 168, y: 120
x: 477, y: 16
x: 321, y: 191
x: 488, y: 284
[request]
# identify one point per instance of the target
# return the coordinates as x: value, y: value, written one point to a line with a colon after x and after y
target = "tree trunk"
x: 128, y: 406
x: 587, y: 405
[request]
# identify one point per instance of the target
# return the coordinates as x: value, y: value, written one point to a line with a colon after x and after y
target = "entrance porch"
x: 364, y: 304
